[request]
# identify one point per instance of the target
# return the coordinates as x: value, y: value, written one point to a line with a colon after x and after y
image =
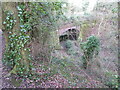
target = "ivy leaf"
x: 7, y: 18
x: 21, y: 25
x: 4, y: 22
x: 19, y: 8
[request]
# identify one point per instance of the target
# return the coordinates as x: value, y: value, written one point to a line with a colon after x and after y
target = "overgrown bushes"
x: 33, y: 21
x: 90, y: 49
x: 65, y: 67
x: 111, y: 80
x: 68, y: 44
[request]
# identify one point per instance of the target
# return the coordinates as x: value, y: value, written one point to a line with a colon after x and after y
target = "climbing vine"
x: 9, y: 21
x: 17, y: 55
x: 30, y: 17
x: 9, y: 24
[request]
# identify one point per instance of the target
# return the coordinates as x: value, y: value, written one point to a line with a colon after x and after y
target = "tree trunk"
x: 12, y: 7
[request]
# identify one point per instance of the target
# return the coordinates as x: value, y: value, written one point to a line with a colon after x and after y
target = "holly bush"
x: 90, y: 49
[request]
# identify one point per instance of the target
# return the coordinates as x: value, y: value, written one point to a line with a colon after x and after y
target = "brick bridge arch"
x: 70, y: 33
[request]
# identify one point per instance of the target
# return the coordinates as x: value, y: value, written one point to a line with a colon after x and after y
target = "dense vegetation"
x: 90, y: 49
x: 33, y: 53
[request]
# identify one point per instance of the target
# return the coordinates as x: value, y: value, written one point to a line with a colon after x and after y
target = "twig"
x: 100, y: 26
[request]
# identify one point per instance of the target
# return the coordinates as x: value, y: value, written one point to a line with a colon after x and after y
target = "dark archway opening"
x: 70, y: 34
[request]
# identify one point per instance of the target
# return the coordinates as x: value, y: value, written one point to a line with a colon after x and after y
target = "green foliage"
x: 9, y: 21
x: 17, y: 55
x: 68, y: 44
x: 70, y: 47
x: 44, y: 18
x: 67, y: 68
x: 9, y: 24
x: 90, y: 49
x: 114, y: 10
x: 112, y: 81
x: 34, y: 18
x: 61, y: 66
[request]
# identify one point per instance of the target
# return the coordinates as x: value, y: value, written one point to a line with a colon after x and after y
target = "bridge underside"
x: 70, y: 34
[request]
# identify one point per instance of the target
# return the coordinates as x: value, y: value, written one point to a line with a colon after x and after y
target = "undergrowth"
x: 90, y: 49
